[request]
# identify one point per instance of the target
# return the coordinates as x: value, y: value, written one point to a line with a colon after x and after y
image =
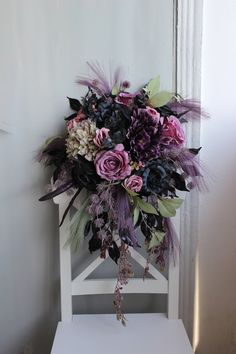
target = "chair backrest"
x: 80, y: 285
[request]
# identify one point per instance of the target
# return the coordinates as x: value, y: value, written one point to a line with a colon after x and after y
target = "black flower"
x: 84, y: 173
x: 157, y: 177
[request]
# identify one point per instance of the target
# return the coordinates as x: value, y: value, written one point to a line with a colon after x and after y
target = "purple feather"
x: 190, y: 165
x: 190, y: 109
x: 99, y: 81
x: 172, y: 240
x: 124, y: 217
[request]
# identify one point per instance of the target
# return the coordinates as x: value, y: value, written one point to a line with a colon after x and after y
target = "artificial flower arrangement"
x: 127, y: 150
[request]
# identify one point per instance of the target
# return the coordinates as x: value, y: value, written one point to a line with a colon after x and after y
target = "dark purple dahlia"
x: 144, y: 134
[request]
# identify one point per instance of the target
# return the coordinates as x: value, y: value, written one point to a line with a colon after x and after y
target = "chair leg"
x: 65, y: 267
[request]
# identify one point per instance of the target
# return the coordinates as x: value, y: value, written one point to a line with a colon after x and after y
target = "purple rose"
x: 133, y: 183
x: 172, y: 132
x: 124, y: 98
x: 113, y: 165
x: 101, y: 136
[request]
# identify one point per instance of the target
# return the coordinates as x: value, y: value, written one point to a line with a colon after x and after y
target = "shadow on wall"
x: 217, y: 288
x: 39, y: 337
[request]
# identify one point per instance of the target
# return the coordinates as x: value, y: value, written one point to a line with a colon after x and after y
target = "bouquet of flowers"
x: 127, y: 150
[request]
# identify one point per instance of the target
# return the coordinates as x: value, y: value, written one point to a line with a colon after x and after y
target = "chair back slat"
x: 83, y: 286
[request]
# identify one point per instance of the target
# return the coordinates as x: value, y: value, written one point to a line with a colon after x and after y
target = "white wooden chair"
x: 144, y: 333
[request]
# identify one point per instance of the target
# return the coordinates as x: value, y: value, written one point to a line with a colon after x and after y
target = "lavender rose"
x: 113, y: 165
x: 172, y: 132
x: 133, y: 183
x: 101, y: 135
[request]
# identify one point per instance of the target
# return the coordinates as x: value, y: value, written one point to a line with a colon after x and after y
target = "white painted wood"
x: 81, y: 286
x: 173, y: 277
x: 152, y: 270
x: 144, y: 334
x: 65, y: 267
x: 88, y: 270
x: 188, y: 84
x: 107, y: 286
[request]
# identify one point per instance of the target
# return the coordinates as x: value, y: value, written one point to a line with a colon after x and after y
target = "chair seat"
x: 143, y: 334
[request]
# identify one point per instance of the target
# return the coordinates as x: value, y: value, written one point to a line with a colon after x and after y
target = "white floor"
x: 144, y: 334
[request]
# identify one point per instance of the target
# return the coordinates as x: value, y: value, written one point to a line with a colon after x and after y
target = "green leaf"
x: 115, y: 90
x: 160, y: 99
x: 157, y: 238
x: 77, y: 226
x: 153, y: 86
x: 136, y: 215
x: 167, y: 207
x: 146, y: 207
x: 131, y: 193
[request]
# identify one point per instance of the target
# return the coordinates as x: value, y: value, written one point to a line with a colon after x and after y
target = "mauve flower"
x: 101, y: 135
x: 152, y: 112
x: 144, y: 134
x: 124, y: 98
x: 133, y: 183
x: 113, y: 165
x: 126, y: 84
x: 172, y: 132
x: 71, y: 124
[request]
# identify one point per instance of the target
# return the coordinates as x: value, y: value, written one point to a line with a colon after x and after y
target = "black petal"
x: 74, y: 104
x: 72, y: 116
x: 125, y: 237
x: 195, y: 151
x: 114, y: 251
x: 87, y: 228
x: 94, y: 243
x: 179, y: 182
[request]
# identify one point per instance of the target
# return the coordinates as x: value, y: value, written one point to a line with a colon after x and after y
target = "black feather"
x: 63, y: 188
x: 69, y: 206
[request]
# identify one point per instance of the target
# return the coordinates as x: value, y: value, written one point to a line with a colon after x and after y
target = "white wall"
x: 217, y: 246
x: 44, y: 45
